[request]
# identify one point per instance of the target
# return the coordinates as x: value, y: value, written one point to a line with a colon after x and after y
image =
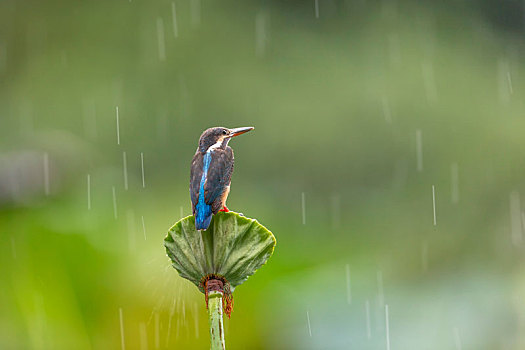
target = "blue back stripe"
x: 203, y: 210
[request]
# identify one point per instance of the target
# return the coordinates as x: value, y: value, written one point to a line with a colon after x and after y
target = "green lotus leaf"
x: 233, y: 247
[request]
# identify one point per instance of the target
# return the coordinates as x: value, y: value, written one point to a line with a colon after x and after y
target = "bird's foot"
x: 224, y: 209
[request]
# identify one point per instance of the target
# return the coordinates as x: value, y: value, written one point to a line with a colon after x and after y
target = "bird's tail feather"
x: 203, y: 218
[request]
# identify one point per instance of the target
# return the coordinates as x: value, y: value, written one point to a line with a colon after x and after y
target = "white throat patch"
x: 216, y: 145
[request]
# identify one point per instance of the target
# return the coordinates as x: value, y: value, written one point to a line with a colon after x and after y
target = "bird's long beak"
x: 240, y: 131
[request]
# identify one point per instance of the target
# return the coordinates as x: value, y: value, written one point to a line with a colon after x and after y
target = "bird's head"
x: 219, y: 137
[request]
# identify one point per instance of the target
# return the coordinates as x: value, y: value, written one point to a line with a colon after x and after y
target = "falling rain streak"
x: 142, y: 166
x: 348, y: 285
x: 89, y: 192
x: 419, y: 150
x: 114, y: 202
x: 509, y: 79
x: 143, y: 227
x: 316, y: 8
x: 504, y: 81
x: 160, y: 39
x: 174, y: 19
x: 434, y: 203
x: 308, y: 321
x: 118, y: 128
x: 122, y: 343
x: 46, y: 174
x: 125, y: 170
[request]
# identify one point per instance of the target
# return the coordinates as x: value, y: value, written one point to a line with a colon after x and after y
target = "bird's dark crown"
x: 214, y: 136
x: 219, y: 137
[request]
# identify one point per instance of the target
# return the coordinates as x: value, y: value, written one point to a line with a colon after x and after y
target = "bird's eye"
x: 224, y: 132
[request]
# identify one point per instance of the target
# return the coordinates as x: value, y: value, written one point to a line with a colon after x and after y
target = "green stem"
x: 215, y: 320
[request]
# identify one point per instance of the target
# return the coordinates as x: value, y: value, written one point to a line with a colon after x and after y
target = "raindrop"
x: 368, y: 328
x: 143, y: 336
x: 46, y: 173
x: 122, y: 343
x: 303, y: 207
x: 174, y: 18
x: 316, y: 8
x: 504, y: 82
x: 160, y: 39
x: 434, y: 203
x: 118, y: 127
x: 89, y: 191
x: 114, y: 202
x: 308, y: 320
x: 454, y: 174
x: 387, y: 328
x: 419, y: 150
x: 515, y: 218
x: 509, y: 79
x: 125, y: 170
x: 348, y: 285
x: 143, y: 227
x: 142, y: 166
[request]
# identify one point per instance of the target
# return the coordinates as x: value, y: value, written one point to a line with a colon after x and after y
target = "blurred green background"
x: 359, y: 107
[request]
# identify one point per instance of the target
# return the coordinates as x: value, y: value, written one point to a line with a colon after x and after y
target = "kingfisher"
x: 211, y: 173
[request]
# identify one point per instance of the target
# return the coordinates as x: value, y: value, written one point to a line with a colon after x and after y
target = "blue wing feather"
x: 203, y: 211
x: 210, y: 175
